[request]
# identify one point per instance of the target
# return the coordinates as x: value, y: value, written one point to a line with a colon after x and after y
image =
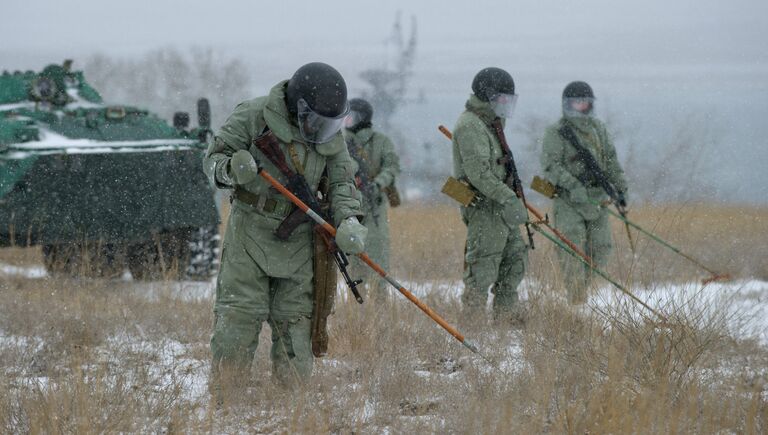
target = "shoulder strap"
x: 295, y: 158
x: 567, y: 133
x: 513, y: 179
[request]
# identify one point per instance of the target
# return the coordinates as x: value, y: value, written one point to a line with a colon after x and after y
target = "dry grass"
x: 93, y: 355
x: 429, y: 242
x: 21, y: 256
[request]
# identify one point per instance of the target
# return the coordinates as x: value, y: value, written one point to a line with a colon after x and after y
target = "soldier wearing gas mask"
x: 377, y: 168
x: 577, y: 153
x: 267, y: 261
x: 495, y: 252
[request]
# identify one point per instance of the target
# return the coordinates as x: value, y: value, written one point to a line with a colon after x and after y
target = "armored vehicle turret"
x: 102, y: 188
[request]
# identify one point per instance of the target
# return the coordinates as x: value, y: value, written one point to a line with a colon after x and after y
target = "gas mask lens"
x: 503, y: 105
x: 316, y: 128
x: 578, y: 106
x: 354, y: 118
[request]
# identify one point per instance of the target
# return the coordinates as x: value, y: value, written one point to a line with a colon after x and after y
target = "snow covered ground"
x: 745, y: 301
x: 173, y: 367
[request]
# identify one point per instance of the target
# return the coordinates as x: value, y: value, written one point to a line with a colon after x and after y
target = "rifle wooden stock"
x: 297, y: 184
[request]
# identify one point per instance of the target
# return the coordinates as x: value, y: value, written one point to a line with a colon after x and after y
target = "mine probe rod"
x: 367, y: 260
x: 715, y: 276
x: 553, y: 191
x: 599, y: 272
x: 570, y: 247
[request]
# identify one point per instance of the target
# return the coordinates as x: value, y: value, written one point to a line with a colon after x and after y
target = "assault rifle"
x: 596, y: 175
x: 370, y: 191
x: 269, y: 146
x: 513, y: 179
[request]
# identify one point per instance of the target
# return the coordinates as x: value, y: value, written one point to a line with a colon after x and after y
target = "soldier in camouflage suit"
x: 577, y: 211
x: 263, y: 278
x: 495, y: 251
x: 376, y: 167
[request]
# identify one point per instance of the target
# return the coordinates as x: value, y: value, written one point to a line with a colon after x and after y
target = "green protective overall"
x: 263, y: 278
x: 383, y: 166
x: 576, y: 213
x: 495, y: 251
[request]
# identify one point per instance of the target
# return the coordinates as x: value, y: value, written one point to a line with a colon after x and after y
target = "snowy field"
x: 745, y: 300
x: 135, y: 355
x: 174, y: 365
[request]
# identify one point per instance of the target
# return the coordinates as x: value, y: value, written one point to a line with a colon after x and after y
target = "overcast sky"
x: 652, y: 62
x: 657, y: 30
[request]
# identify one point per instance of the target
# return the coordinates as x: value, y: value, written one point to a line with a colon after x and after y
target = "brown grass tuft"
x: 95, y: 355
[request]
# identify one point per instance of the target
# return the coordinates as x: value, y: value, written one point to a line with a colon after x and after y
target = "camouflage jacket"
x: 249, y: 120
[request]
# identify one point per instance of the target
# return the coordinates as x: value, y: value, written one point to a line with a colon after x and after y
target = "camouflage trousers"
x: 495, y: 257
x: 247, y: 296
x: 377, y: 247
x: 593, y: 237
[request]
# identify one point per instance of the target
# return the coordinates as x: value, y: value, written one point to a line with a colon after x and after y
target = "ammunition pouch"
x: 263, y: 203
x: 461, y: 191
x: 544, y: 187
x: 393, y: 196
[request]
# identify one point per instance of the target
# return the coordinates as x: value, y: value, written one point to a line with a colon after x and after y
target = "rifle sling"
x: 509, y: 161
x: 589, y: 161
x: 270, y: 148
x: 295, y: 159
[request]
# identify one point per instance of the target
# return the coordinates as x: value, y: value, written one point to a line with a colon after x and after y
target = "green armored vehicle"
x: 102, y: 188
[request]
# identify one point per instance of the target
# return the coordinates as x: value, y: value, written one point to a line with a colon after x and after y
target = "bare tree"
x: 168, y: 80
x: 390, y: 85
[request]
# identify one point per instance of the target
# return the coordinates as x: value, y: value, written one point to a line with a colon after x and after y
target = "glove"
x: 623, y: 199
x: 379, y: 183
x: 243, y: 166
x: 350, y: 236
x: 579, y: 195
x: 514, y: 213
x: 375, y: 193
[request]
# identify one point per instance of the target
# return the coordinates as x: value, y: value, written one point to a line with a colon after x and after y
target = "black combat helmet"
x: 492, y: 81
x: 320, y: 86
x: 317, y: 96
x: 360, y: 115
x: 578, y: 90
x: 578, y: 100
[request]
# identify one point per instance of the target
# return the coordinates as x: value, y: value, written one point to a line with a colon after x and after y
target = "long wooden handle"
x: 367, y: 260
